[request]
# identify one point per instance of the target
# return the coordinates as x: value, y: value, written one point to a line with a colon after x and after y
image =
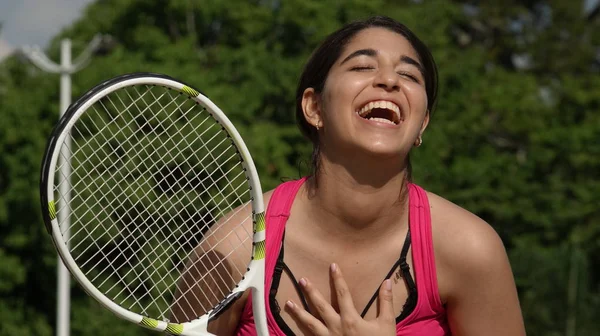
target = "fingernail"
x: 302, y: 282
x: 290, y: 304
x: 388, y: 284
x: 333, y: 267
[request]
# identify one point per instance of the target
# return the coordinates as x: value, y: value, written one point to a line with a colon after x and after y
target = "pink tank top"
x: 429, y: 316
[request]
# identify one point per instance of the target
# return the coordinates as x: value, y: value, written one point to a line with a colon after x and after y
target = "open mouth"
x: 381, y: 111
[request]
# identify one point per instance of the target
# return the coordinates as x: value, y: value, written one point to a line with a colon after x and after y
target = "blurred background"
x: 515, y: 137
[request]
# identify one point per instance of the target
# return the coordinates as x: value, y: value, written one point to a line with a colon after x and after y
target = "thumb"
x: 386, y: 302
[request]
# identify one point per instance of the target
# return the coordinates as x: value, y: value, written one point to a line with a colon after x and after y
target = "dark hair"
x: 322, y: 59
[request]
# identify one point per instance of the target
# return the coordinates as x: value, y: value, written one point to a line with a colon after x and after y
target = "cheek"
x: 339, y: 94
x: 417, y: 97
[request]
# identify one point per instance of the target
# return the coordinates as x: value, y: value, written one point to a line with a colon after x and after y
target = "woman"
x: 356, y: 248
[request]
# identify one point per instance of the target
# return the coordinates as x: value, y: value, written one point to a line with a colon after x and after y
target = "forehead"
x: 382, y: 40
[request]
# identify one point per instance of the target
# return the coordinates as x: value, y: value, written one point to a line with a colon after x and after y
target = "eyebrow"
x: 412, y: 61
x: 361, y: 52
x: 372, y: 53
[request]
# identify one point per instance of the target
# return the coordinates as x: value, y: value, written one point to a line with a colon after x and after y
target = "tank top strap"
x: 278, y: 211
x: 422, y: 247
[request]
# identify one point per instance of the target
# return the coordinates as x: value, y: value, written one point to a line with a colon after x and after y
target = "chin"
x: 383, y: 151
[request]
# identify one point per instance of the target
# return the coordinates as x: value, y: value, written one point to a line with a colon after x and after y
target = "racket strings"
x: 221, y: 294
x: 132, y: 269
x: 111, y: 190
x: 93, y: 195
x: 210, y: 272
x: 203, y: 267
x: 151, y: 173
x: 95, y: 153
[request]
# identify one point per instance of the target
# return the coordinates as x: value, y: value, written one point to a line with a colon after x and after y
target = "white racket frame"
x: 253, y: 278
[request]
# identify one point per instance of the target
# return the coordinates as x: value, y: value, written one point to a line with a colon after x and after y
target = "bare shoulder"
x: 267, y: 197
x: 473, y: 271
x: 462, y: 238
x: 233, y: 229
x: 238, y: 219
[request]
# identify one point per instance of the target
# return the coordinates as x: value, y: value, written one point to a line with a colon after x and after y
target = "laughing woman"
x: 356, y: 248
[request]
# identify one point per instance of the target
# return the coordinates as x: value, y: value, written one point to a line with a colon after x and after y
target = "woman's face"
x: 374, y: 98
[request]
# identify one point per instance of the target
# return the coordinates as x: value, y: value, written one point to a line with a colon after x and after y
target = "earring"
x: 418, y: 142
x: 317, y: 125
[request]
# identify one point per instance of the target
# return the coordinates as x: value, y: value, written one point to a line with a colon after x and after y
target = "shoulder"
x: 475, y: 280
x: 267, y: 197
x: 465, y: 246
x: 284, y: 192
x: 459, y: 231
x: 231, y: 220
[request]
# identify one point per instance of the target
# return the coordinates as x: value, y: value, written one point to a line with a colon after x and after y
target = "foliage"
x: 514, y: 138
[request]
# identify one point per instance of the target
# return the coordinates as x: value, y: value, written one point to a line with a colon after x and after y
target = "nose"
x: 387, y: 79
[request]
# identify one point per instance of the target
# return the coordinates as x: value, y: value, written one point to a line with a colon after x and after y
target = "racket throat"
x: 223, y: 305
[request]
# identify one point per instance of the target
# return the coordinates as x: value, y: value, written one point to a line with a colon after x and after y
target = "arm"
x: 475, y: 275
x: 484, y: 300
x: 194, y: 294
x: 227, y: 322
x: 198, y: 290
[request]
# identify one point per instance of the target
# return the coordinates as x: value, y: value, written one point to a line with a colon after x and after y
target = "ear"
x: 312, y: 107
x: 425, y: 123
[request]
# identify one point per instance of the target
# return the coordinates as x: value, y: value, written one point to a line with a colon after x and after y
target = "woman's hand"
x: 347, y: 321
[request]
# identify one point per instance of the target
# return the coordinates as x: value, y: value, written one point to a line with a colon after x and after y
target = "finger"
x: 342, y: 293
x: 323, y: 308
x: 386, y: 302
x: 309, y: 324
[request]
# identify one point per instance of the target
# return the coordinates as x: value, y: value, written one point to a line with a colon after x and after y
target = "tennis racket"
x: 154, y: 204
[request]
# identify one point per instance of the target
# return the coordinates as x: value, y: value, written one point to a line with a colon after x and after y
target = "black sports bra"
x: 280, y: 266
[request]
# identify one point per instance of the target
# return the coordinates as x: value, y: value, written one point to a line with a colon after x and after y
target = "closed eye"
x: 361, y: 68
x: 409, y: 76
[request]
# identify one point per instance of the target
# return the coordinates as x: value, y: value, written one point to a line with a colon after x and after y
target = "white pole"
x: 63, y: 281
x: 66, y: 68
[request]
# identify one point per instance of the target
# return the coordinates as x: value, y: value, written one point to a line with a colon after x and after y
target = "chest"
x: 364, y: 270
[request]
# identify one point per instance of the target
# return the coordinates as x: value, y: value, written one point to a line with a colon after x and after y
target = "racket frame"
x: 254, y: 276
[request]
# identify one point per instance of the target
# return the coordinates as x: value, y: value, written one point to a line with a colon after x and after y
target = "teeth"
x: 382, y: 120
x: 380, y: 104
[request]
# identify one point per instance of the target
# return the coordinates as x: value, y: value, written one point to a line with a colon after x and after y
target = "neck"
x: 359, y: 198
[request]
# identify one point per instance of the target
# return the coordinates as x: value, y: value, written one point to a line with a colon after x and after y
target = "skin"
x: 357, y: 208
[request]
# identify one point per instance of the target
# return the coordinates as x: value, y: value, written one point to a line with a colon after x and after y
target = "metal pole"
x: 63, y: 281
x: 66, y: 68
